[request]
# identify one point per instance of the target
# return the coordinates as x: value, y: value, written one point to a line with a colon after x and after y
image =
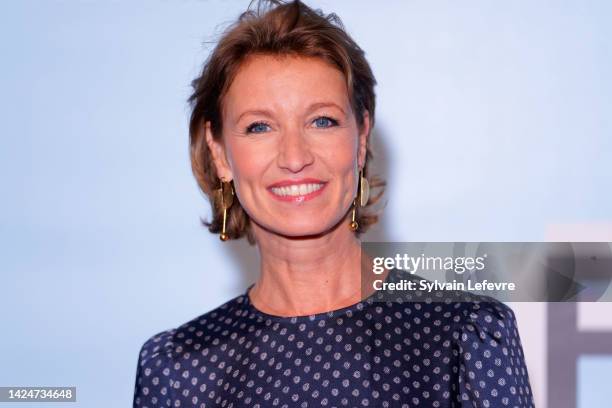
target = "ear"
x: 217, y: 149
x: 364, y: 133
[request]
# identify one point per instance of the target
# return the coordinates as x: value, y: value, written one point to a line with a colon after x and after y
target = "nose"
x: 294, y: 151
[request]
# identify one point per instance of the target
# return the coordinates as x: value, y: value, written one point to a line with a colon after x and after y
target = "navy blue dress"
x: 370, y: 354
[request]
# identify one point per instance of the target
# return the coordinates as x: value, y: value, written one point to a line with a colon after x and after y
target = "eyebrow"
x: 311, y: 107
x: 318, y: 105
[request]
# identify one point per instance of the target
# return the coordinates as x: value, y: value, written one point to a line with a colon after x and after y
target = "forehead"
x: 291, y: 81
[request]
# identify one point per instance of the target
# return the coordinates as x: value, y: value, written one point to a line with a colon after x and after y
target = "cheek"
x: 248, y: 164
x: 340, y: 155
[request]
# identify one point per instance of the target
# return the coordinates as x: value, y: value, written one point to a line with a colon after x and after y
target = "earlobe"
x: 217, y: 151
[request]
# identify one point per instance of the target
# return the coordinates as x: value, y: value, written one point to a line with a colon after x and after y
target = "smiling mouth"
x: 297, y: 192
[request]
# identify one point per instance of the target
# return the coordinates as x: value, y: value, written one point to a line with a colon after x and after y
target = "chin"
x: 297, y: 229
x: 301, y: 223
x: 303, y: 229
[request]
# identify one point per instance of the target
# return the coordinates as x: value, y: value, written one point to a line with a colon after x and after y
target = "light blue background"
x: 494, y: 121
x: 594, y: 381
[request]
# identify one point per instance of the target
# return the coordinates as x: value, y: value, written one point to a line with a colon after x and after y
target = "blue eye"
x: 258, y: 127
x: 321, y: 122
x: 324, y: 122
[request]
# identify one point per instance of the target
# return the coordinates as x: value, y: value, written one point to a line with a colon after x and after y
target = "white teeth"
x: 296, y: 189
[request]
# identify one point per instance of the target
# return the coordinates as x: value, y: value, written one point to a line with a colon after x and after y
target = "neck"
x: 303, y: 276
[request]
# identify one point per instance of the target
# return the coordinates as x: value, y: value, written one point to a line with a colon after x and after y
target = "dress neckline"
x: 346, y: 310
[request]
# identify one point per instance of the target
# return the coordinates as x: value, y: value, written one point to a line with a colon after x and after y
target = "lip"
x: 300, y: 198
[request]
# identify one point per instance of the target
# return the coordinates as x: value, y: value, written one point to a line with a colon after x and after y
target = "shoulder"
x: 159, y: 359
x: 490, y: 355
x: 470, y: 313
x: 465, y: 310
x: 158, y: 345
x: 490, y: 347
x: 154, y: 383
x: 166, y: 344
x: 486, y: 319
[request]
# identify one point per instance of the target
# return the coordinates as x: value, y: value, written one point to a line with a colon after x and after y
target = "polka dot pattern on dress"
x: 371, y: 354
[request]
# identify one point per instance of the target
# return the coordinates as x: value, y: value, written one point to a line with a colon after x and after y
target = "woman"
x: 282, y: 113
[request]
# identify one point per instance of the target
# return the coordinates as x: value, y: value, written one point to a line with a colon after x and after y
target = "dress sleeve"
x: 492, y: 370
x: 153, y: 386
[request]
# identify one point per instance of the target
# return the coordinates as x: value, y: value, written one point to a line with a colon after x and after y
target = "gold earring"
x: 354, y: 225
x: 225, y: 198
x: 364, y: 189
x: 363, y: 195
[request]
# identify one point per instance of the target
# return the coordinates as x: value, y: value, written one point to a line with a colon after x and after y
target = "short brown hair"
x: 274, y: 27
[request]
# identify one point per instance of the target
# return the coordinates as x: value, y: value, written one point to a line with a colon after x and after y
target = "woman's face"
x: 291, y: 144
